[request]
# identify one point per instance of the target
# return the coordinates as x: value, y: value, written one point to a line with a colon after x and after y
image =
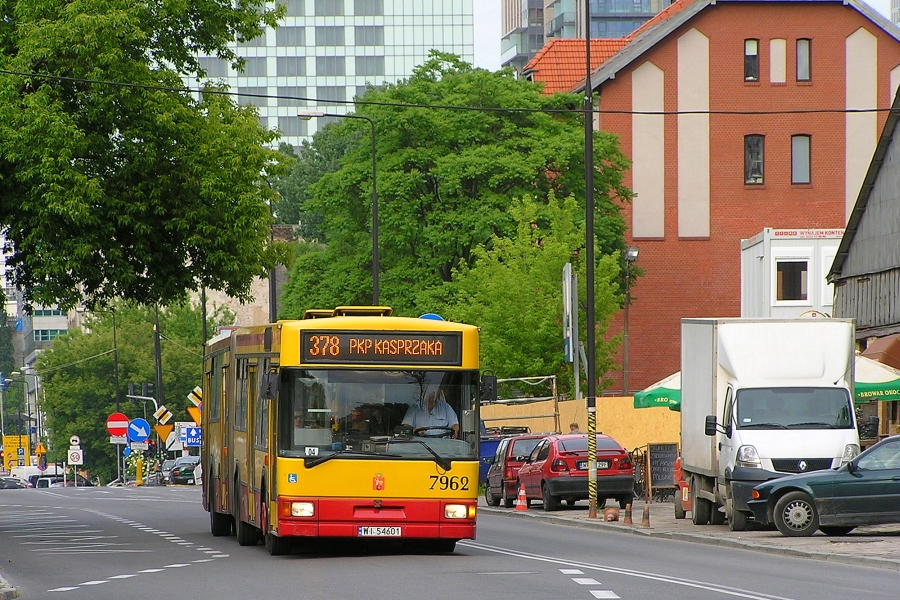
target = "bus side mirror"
x: 488, y: 388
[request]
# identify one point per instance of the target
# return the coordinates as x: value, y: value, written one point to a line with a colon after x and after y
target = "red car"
x: 501, y: 476
x: 557, y: 469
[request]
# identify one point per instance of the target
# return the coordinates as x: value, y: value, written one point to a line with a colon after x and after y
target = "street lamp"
x: 631, y: 254
x: 309, y: 114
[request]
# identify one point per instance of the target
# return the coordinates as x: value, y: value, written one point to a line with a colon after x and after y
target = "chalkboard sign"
x: 662, y: 465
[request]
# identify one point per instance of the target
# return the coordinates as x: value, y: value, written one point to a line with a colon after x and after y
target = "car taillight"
x: 625, y: 464
x: 559, y: 465
x: 510, y: 473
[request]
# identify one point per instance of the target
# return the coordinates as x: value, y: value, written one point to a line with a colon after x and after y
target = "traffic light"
x: 131, y: 390
x: 149, y: 390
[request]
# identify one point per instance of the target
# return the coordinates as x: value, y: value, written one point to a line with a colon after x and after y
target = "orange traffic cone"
x: 627, y: 520
x: 645, y: 520
x: 521, y: 501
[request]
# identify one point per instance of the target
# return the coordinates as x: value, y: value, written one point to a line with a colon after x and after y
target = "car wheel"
x: 489, y: 497
x: 624, y: 501
x: 836, y: 529
x: 551, y: 502
x: 796, y: 515
x: 507, y: 501
x: 601, y: 503
x: 571, y: 501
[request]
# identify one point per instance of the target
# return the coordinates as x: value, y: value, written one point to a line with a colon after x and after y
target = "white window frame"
x: 792, y: 254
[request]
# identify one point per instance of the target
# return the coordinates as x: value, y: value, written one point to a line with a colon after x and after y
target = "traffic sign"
x: 138, y: 430
x: 75, y: 441
x: 193, y: 436
x: 163, y: 431
x: 194, y: 412
x: 196, y: 396
x: 40, y: 449
x: 126, y: 452
x: 76, y: 457
x: 117, y: 424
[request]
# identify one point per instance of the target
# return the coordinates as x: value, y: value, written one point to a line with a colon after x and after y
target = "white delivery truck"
x: 760, y: 399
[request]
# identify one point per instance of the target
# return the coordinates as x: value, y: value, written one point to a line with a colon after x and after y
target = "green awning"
x: 662, y: 393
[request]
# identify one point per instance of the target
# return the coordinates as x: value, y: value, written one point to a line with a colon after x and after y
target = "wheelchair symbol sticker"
x: 292, y: 478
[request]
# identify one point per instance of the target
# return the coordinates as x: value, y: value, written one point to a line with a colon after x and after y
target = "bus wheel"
x: 219, y: 524
x: 247, y: 534
x: 444, y: 546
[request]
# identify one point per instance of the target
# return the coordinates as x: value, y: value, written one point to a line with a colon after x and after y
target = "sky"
x: 487, y: 30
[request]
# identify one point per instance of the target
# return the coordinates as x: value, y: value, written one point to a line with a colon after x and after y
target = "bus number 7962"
x: 451, y: 482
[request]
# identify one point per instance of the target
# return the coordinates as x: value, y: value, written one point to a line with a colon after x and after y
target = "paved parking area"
x: 875, y: 546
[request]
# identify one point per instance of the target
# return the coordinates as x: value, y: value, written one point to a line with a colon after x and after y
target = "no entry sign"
x: 117, y: 424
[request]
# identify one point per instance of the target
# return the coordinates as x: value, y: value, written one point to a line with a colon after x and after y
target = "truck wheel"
x: 737, y: 521
x: 795, y: 515
x: 716, y: 516
x: 700, y: 507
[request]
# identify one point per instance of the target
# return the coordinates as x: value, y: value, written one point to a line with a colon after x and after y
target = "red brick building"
x: 737, y: 116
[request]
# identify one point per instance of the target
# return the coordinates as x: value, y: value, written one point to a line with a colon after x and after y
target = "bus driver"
x: 432, y: 412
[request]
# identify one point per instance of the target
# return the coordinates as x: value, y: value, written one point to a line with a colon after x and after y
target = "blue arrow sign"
x: 126, y: 452
x: 193, y: 436
x: 138, y: 430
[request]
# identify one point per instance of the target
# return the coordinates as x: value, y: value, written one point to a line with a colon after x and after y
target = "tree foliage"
x: 135, y: 189
x: 446, y: 177
x: 78, y: 375
x: 513, y: 292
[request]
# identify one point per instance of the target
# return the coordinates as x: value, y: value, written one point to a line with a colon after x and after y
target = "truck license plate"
x: 379, y: 532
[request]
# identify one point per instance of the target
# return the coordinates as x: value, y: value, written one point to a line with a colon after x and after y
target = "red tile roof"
x: 663, y: 15
x: 560, y: 63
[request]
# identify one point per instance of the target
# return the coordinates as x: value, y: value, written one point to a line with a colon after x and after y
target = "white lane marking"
x: 603, y: 594
x: 585, y: 581
x: 151, y: 571
x: 68, y: 589
x: 571, y: 571
x: 509, y: 573
x: 127, y: 576
x: 176, y: 565
x: 692, y: 583
x: 202, y: 560
x: 97, y: 582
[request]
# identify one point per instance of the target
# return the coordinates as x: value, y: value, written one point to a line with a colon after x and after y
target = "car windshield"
x: 793, y: 408
x: 353, y: 411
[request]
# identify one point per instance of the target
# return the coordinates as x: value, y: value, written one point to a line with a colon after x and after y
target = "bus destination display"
x: 408, y: 348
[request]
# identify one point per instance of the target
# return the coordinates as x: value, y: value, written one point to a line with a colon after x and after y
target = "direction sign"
x: 138, y: 430
x: 192, y: 436
x: 117, y: 424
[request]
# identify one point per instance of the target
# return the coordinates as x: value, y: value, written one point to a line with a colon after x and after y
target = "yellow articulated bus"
x: 348, y: 423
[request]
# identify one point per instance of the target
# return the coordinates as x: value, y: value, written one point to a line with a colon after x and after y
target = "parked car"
x: 557, y: 469
x: 183, y: 470
x: 865, y: 491
x: 510, y: 455
x: 13, y: 483
x: 167, y: 467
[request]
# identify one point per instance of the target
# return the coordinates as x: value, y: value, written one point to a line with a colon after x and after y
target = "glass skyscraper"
x: 325, y: 53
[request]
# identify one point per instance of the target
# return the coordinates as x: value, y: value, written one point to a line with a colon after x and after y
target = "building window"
x: 800, y: 159
x: 329, y: 8
x: 368, y: 8
x: 753, y: 159
x: 46, y: 335
x: 369, y: 35
x: 804, y: 60
x: 294, y: 7
x: 291, y: 66
x: 329, y: 36
x: 370, y: 65
x: 291, y: 95
x: 290, y: 36
x: 258, y: 42
x: 47, y: 312
x: 791, y: 280
x: 334, y: 93
x: 254, y: 67
x: 293, y: 126
x: 253, y: 95
x: 214, y: 67
x: 330, y: 65
x: 751, y: 60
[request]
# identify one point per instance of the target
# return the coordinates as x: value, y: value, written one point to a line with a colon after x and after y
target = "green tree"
x: 78, y: 375
x: 139, y: 189
x: 445, y: 180
x: 513, y: 292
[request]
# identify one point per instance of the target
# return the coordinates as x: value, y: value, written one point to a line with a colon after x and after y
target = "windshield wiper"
x: 763, y: 426
x: 314, y: 461
x: 440, y: 460
x: 821, y: 424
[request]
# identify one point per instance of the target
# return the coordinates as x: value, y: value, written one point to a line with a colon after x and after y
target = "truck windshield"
x: 793, y: 408
x: 395, y: 415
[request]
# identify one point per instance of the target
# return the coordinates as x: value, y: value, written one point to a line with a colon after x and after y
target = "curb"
x: 866, y: 561
x: 7, y: 592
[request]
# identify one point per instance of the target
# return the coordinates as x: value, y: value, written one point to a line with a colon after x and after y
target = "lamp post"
x: 307, y: 115
x: 631, y: 254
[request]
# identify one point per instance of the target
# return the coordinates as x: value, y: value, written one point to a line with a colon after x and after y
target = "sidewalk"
x: 872, y: 546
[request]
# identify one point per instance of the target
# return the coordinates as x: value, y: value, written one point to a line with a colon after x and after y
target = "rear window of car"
x: 522, y: 448
x: 581, y: 444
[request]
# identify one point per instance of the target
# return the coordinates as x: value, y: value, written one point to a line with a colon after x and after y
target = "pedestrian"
x: 573, y: 428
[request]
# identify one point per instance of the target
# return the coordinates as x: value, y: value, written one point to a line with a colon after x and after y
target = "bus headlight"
x: 302, y: 509
x: 459, y: 511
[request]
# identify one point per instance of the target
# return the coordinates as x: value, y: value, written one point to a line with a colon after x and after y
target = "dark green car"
x: 865, y: 491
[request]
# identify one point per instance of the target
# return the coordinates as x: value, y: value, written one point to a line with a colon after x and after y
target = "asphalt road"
x: 104, y: 543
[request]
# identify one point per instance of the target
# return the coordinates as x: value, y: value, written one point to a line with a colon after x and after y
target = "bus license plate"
x: 379, y: 532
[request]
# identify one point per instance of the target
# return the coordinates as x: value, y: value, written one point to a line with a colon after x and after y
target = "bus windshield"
x: 392, y: 414
x: 794, y: 408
